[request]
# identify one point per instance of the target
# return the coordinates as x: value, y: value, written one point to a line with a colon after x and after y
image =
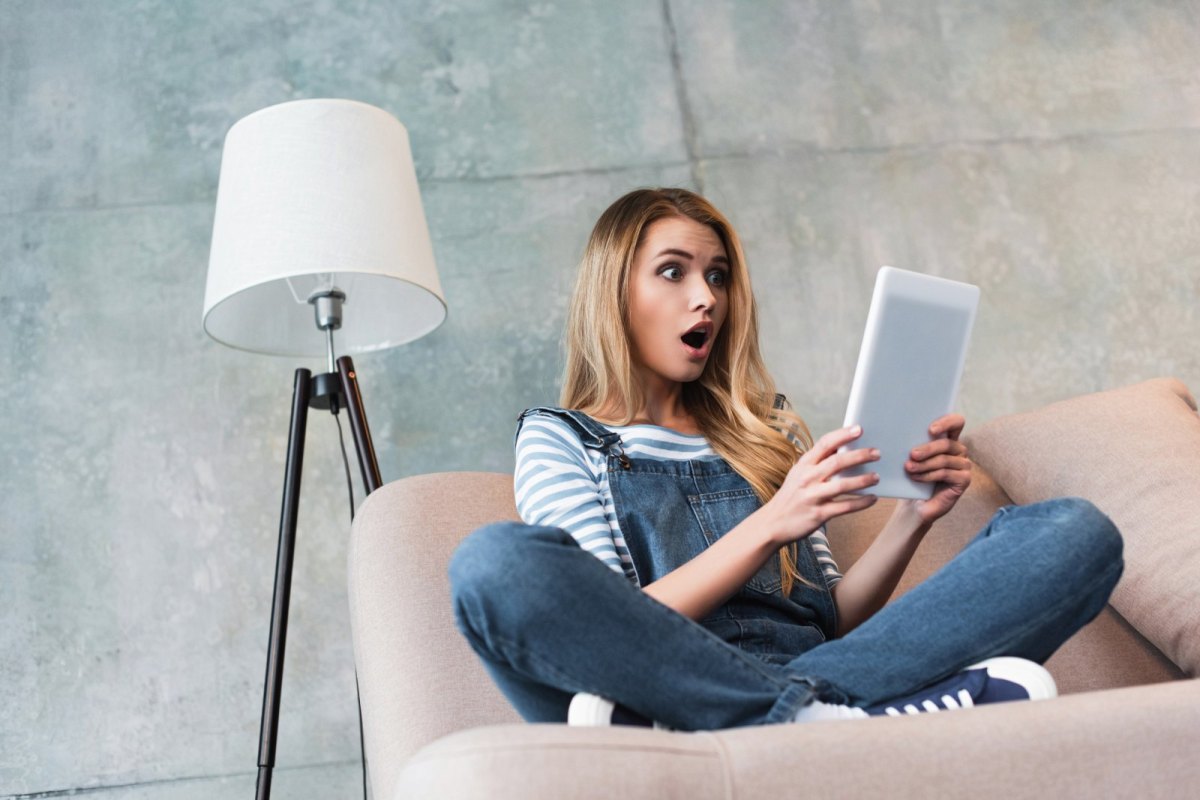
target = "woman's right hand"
x: 806, y: 500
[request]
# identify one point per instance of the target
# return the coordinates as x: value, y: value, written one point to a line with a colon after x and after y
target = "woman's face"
x: 679, y: 278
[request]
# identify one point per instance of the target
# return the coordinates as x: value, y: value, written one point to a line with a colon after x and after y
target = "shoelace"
x: 964, y: 701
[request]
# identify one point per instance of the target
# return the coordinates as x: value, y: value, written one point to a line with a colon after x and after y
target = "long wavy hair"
x: 733, y: 400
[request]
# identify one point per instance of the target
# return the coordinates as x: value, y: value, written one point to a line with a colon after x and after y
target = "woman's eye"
x: 720, y: 275
x: 669, y: 269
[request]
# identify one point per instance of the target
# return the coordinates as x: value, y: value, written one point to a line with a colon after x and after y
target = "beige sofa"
x: 1126, y: 723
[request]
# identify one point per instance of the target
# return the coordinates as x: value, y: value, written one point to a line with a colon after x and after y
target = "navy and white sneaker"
x: 996, y: 680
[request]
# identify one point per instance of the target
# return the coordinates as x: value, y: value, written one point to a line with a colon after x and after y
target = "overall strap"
x: 591, y: 433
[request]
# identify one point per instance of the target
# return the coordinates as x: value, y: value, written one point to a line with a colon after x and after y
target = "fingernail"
x: 856, y: 429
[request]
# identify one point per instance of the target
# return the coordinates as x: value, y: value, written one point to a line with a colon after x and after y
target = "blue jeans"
x: 549, y: 620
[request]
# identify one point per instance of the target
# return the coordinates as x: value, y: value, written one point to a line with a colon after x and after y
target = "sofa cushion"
x: 1135, y: 453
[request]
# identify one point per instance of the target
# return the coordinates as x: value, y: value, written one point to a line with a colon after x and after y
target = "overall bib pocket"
x: 720, y: 512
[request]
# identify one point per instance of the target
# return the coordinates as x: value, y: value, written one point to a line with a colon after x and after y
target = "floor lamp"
x: 317, y: 207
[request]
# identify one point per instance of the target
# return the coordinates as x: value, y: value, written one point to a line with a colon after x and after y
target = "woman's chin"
x: 684, y: 370
x: 691, y: 372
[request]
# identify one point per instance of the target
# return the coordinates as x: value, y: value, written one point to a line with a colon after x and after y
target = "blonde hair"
x: 733, y: 400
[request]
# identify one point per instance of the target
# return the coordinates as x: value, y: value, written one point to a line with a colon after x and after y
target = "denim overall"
x: 671, y: 511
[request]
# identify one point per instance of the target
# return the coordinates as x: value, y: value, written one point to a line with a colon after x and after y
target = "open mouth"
x: 699, y: 337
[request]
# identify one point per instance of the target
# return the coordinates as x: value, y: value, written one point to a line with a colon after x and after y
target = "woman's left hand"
x: 944, y: 461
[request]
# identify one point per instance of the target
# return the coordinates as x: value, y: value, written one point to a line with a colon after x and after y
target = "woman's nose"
x: 703, y: 295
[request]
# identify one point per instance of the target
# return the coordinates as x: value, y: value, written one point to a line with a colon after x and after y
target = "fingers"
x: 841, y: 461
x: 818, y: 466
x: 823, y: 463
x: 935, y: 476
x: 950, y: 424
x: 829, y: 443
x: 848, y: 506
x: 942, y: 468
x: 938, y: 447
x: 827, y: 490
x: 936, y: 462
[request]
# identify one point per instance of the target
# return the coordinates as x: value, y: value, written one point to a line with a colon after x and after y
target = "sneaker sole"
x: 589, y: 710
x: 1036, y: 679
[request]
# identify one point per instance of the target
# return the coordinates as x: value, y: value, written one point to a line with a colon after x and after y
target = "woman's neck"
x: 664, y: 409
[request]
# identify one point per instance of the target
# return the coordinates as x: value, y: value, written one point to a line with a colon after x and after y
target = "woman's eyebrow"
x: 672, y: 251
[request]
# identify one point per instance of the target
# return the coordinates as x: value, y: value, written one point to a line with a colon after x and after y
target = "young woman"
x: 672, y: 568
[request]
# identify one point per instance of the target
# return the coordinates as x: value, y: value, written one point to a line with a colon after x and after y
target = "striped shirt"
x: 560, y: 482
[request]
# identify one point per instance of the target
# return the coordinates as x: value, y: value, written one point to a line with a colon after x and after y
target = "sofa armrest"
x: 1132, y: 742
x: 418, y: 678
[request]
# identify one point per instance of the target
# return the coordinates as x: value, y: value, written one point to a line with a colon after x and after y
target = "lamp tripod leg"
x: 273, y: 683
x: 363, y: 444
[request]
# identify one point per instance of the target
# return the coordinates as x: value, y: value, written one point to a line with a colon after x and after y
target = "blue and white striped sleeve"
x: 555, y: 485
x: 829, y: 567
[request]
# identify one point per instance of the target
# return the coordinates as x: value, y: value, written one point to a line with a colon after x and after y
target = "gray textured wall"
x: 1047, y: 151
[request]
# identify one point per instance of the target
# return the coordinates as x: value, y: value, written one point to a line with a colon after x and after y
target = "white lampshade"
x: 315, y: 194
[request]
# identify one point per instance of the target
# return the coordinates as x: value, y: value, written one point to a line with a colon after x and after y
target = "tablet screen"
x: 909, y: 366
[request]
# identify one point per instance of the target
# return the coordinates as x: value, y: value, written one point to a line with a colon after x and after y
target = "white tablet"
x: 908, y: 372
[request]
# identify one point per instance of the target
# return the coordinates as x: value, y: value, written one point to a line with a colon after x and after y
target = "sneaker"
x: 1012, y: 678
x: 996, y: 680
x: 591, y: 709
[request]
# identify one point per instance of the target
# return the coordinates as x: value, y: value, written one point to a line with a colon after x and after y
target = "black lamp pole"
x: 329, y: 390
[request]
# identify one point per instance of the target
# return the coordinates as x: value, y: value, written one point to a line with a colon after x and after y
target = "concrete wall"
x: 1047, y: 151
